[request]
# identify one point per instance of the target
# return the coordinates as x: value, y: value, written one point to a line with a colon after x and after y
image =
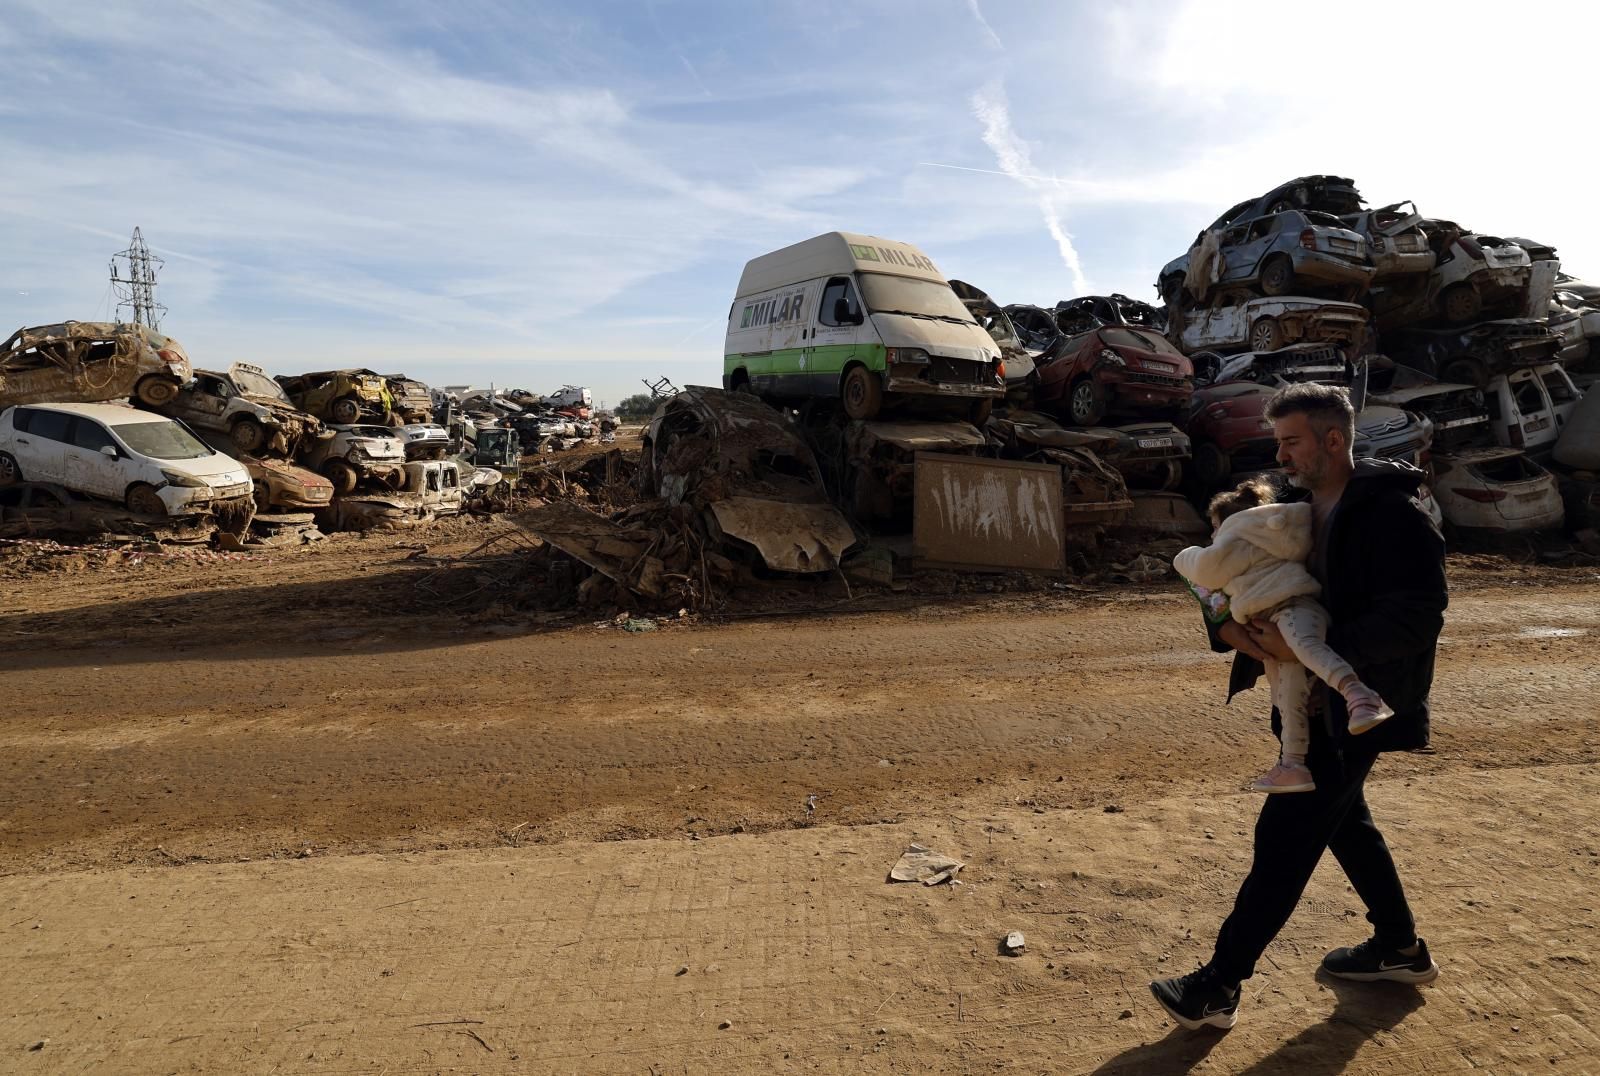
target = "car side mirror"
x: 843, y: 314
x: 109, y: 450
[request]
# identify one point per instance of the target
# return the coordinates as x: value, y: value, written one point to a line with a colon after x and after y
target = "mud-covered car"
x: 279, y: 484
x: 1114, y: 369
x: 1270, y: 324
x: 359, y: 453
x: 412, y: 400
x: 746, y: 467
x: 248, y: 406
x: 1474, y: 276
x: 1496, y: 490
x: 1396, y: 242
x: 341, y: 396
x: 424, y: 440
x: 1474, y: 354
x: 90, y: 362
x: 1116, y: 309
x: 1334, y: 195
x: 1294, y: 252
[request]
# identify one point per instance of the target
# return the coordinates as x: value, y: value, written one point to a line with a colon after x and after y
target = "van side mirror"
x: 843, y: 314
x: 110, y: 451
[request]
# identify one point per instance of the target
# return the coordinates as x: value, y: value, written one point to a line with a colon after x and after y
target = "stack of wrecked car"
x: 90, y: 362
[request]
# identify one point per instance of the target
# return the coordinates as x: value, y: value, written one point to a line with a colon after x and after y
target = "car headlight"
x: 178, y: 478
x: 906, y: 354
x: 1111, y: 358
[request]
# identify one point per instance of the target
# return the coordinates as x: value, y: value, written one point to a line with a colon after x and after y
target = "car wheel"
x: 156, y: 390
x: 1172, y: 476
x: 1277, y: 277
x: 144, y: 500
x: 978, y: 414
x: 1459, y: 303
x: 346, y: 410
x: 740, y: 382
x: 248, y: 435
x: 262, y: 494
x: 1210, y: 465
x: 862, y: 393
x: 342, y: 475
x: 1084, y: 403
x: 1266, y: 335
x: 10, y: 473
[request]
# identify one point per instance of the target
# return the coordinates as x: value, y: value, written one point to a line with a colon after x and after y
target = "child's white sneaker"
x: 1367, y: 709
x: 1285, y: 778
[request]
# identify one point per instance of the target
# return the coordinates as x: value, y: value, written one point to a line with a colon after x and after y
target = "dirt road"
x: 188, y: 715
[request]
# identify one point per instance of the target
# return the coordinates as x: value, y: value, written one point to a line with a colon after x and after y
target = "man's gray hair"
x: 1328, y: 407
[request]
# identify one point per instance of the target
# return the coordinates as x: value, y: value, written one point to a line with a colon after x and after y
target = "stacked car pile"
x: 1462, y: 338
x: 115, y: 413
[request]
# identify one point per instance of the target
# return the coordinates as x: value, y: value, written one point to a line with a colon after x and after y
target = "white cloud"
x: 989, y: 105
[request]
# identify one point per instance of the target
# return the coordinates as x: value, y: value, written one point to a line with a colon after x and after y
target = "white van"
x: 150, y: 463
x: 1528, y: 406
x: 867, y: 320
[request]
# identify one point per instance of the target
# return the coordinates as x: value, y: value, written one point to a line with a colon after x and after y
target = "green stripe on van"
x: 827, y: 359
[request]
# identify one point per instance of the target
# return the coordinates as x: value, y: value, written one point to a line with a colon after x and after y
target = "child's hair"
x: 1251, y: 493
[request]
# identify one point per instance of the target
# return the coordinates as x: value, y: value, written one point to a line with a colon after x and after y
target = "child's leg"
x: 1290, y: 694
x: 1304, y: 624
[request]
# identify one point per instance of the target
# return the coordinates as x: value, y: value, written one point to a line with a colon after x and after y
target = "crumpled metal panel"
x: 789, y: 537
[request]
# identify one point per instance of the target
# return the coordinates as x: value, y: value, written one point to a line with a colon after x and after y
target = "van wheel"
x: 248, y: 436
x: 342, y: 475
x: 978, y: 414
x: 10, y: 473
x: 1084, y: 403
x: 144, y: 500
x: 1459, y: 303
x: 1277, y: 278
x: 156, y: 390
x: 862, y: 393
x: 346, y: 410
x: 740, y: 382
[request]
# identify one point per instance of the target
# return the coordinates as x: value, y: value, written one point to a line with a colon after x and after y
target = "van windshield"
x: 905, y: 295
x: 162, y: 441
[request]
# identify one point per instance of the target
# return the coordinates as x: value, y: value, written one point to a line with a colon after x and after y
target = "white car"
x: 354, y: 453
x: 424, y: 440
x: 1496, y: 489
x: 148, y: 462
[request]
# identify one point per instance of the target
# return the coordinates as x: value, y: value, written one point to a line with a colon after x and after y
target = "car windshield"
x: 371, y: 431
x: 1142, y: 340
x: 254, y: 384
x: 162, y: 441
x: 906, y: 295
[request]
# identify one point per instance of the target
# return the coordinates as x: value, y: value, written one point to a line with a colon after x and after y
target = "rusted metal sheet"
x: 789, y: 537
x: 988, y: 515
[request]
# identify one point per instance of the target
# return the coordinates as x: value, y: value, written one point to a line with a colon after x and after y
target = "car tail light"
x: 1308, y: 239
x: 1471, y: 247
x: 1482, y: 496
x: 999, y: 370
x: 1515, y: 432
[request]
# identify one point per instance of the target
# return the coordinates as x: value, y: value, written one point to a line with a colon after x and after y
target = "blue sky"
x: 566, y: 192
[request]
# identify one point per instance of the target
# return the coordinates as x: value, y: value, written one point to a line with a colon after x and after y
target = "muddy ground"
x: 257, y: 739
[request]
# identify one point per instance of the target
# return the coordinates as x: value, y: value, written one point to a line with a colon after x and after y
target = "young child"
x: 1257, y: 559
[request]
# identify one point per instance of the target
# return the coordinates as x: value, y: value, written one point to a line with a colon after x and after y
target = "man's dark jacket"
x: 1385, y: 595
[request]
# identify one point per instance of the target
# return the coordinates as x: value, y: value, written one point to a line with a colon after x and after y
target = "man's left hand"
x: 1269, y: 639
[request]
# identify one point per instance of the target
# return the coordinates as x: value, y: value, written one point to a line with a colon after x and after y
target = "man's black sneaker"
x: 1198, y: 999
x: 1372, y: 962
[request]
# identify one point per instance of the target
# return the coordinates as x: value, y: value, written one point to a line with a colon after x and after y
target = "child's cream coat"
x: 1257, y: 558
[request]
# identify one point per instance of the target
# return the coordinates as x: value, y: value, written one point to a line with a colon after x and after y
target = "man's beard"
x: 1309, y: 478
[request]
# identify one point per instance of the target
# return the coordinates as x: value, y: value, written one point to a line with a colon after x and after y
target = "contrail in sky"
x: 1011, y: 153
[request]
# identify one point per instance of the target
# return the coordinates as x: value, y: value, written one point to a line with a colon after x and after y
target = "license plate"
x: 1155, y: 442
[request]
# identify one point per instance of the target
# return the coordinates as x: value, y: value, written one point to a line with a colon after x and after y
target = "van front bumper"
x: 945, y: 377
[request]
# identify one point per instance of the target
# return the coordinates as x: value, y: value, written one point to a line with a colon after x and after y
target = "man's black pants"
x: 1291, y: 834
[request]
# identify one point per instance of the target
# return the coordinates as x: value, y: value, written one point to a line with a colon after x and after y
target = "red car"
x: 1115, y: 369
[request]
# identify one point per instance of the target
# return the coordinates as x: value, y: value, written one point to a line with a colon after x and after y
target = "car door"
x: 204, y: 402
x: 87, y: 468
x: 1239, y: 255
x: 41, y: 447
